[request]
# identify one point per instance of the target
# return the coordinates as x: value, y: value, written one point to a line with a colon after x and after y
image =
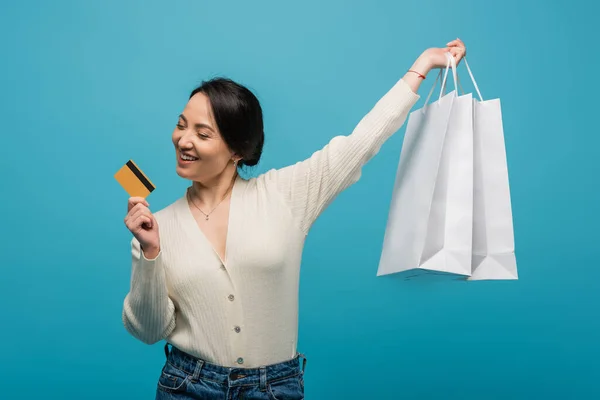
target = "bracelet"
x: 420, y: 75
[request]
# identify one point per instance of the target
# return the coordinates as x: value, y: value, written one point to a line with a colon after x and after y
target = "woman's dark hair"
x: 238, y: 115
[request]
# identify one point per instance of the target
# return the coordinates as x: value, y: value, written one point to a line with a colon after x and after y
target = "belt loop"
x: 263, y: 379
x: 196, y: 374
x: 167, y: 350
x: 303, y: 361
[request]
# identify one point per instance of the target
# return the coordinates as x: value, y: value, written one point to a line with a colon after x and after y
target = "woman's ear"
x: 235, y: 159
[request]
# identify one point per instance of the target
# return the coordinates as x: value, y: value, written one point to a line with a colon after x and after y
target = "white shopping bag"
x: 493, y: 235
x: 430, y: 222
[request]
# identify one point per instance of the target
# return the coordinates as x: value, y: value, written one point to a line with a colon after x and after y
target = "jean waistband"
x: 199, y: 368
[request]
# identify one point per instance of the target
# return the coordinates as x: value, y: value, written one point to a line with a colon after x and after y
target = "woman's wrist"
x: 422, y: 65
x: 418, y: 72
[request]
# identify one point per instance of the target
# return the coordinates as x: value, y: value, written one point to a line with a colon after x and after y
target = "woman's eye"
x: 180, y: 127
x: 203, y: 135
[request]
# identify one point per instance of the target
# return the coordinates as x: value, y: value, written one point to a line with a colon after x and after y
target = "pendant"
x: 207, y: 217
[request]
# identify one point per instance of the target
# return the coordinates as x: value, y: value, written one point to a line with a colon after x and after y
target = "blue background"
x: 85, y: 86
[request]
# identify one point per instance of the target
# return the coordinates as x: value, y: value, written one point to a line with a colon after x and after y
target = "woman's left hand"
x: 434, y: 57
x: 437, y: 56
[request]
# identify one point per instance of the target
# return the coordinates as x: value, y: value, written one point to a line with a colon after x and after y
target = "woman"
x: 216, y: 272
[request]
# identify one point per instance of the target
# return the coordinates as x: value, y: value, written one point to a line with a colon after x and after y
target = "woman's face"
x: 200, y: 150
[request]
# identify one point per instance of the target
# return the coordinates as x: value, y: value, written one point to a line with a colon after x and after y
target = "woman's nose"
x: 185, y: 141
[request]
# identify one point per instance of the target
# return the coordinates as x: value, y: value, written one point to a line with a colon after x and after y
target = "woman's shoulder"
x: 262, y: 182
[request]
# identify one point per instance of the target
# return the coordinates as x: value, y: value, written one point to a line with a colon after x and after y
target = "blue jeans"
x: 186, y: 377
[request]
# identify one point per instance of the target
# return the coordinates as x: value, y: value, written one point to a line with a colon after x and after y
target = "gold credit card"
x: 134, y: 181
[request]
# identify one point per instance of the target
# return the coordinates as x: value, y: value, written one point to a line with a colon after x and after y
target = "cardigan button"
x: 240, y: 360
x: 231, y: 297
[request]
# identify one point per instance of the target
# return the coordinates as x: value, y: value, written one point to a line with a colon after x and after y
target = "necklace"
x: 206, y: 216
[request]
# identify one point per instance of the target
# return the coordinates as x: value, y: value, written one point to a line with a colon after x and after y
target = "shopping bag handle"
x: 450, y: 62
x: 462, y: 91
x: 472, y: 79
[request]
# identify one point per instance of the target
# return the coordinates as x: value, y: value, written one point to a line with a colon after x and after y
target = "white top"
x: 244, y: 312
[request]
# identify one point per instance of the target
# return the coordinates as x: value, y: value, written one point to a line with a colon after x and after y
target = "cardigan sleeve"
x: 310, y: 186
x: 148, y: 311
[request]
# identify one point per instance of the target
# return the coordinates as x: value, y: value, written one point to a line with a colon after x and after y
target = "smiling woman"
x: 221, y: 123
x: 220, y: 281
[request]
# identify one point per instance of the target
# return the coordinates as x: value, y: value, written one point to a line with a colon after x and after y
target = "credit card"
x: 134, y: 181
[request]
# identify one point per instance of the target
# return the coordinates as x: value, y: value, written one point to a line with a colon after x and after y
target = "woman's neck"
x: 210, y: 193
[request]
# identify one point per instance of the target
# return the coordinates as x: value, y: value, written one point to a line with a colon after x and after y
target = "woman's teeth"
x: 188, y: 158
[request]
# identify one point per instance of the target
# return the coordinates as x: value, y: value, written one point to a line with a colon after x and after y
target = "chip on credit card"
x: 134, y: 181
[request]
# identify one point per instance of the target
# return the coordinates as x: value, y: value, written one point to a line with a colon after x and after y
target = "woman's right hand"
x: 142, y: 224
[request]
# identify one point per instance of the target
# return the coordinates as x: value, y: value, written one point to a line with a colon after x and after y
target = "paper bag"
x: 493, y: 236
x: 429, y: 227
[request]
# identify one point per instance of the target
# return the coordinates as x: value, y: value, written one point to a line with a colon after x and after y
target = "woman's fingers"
x: 141, y: 220
x: 133, y: 201
x: 455, y: 42
x: 144, y: 221
x: 133, y: 219
x: 455, y: 51
x: 458, y: 51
